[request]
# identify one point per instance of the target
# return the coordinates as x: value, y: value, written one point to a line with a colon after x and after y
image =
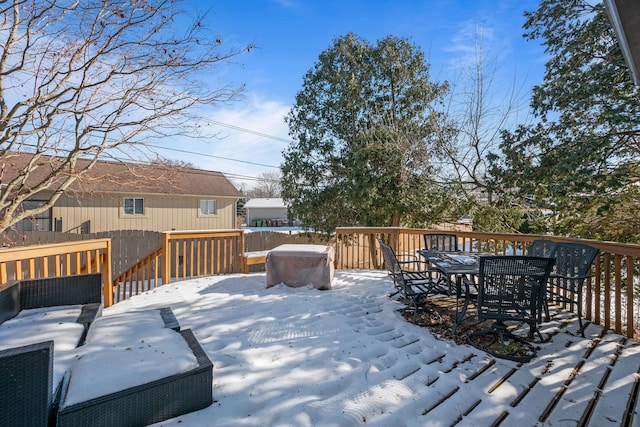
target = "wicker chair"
x: 26, y: 384
x: 412, y: 284
x: 566, y: 281
x: 26, y: 372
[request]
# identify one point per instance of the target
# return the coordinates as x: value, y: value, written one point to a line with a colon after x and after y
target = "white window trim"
x: 207, y: 215
x: 134, y: 215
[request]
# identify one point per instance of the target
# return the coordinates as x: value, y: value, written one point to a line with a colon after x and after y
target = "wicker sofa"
x: 147, y: 403
x: 30, y: 371
x: 35, y: 380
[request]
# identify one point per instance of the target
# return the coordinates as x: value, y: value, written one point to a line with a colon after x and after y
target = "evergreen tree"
x: 365, y: 144
x: 581, y: 159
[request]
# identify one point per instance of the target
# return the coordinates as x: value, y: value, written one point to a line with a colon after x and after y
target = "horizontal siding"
x: 162, y: 213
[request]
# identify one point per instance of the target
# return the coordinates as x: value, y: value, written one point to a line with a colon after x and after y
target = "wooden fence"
x: 611, y: 295
x: 179, y: 256
x: 127, y: 246
x: 258, y: 241
x: 130, y: 246
x: 193, y: 254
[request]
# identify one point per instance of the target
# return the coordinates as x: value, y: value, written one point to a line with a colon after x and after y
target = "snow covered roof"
x: 265, y: 203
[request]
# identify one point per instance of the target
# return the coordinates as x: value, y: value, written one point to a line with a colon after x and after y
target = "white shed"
x: 266, y: 212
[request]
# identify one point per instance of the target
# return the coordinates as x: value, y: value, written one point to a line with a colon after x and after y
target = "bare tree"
x: 94, y: 78
x: 480, y: 107
x: 268, y: 185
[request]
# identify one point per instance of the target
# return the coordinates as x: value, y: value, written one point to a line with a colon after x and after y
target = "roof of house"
x: 122, y: 177
x: 273, y: 203
x: 625, y: 17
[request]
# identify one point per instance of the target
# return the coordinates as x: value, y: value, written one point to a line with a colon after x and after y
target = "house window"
x: 208, y: 207
x: 133, y: 206
x: 38, y: 222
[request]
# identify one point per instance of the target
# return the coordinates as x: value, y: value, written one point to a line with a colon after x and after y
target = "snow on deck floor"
x: 345, y: 357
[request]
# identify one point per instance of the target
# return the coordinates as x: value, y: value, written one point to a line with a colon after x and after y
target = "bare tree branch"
x: 480, y: 108
x: 81, y: 79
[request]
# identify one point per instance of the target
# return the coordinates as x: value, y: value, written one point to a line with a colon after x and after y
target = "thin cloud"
x: 258, y: 116
x: 287, y: 3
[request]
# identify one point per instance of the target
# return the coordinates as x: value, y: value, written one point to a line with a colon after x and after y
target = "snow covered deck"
x: 345, y: 357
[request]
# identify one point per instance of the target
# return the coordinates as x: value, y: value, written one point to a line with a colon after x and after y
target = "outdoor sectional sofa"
x: 148, y: 402
x: 35, y: 314
x: 35, y: 380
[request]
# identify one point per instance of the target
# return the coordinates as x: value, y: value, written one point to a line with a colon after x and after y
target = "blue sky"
x: 291, y: 34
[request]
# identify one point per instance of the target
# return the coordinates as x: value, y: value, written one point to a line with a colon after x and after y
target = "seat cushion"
x: 43, y: 324
x: 141, y: 347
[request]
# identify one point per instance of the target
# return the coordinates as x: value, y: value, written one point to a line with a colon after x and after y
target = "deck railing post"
x: 242, y: 250
x: 107, y: 284
x: 166, y: 258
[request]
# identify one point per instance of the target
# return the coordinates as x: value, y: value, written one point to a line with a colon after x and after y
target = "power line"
x: 247, y: 178
x: 253, y: 132
x: 226, y: 174
x: 152, y: 164
x: 212, y: 156
x: 234, y: 127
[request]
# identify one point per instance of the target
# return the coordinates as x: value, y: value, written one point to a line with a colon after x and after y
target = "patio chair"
x: 511, y: 288
x: 414, y: 284
x: 573, y: 262
x: 542, y: 247
x: 442, y: 242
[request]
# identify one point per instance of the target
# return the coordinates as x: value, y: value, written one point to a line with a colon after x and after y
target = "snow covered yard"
x: 345, y: 357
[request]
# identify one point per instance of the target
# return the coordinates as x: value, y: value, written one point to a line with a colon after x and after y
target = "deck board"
x: 572, y: 381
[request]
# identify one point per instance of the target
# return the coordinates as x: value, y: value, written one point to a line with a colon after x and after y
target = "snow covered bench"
x: 42, y: 321
x: 253, y: 258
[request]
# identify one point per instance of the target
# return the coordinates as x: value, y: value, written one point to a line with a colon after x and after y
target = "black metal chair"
x: 566, y: 281
x: 542, y: 247
x: 441, y: 242
x: 413, y: 284
x: 511, y: 288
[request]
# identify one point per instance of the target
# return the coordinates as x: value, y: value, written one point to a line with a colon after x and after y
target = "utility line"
x: 253, y: 132
x: 238, y: 128
x: 147, y: 163
x: 212, y: 156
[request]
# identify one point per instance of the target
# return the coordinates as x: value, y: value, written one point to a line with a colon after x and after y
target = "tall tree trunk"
x: 395, y: 219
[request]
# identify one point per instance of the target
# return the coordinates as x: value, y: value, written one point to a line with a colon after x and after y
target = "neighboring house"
x: 127, y: 196
x: 263, y: 212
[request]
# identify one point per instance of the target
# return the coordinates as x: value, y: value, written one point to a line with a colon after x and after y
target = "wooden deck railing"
x: 183, y: 255
x: 59, y: 259
x: 610, y: 295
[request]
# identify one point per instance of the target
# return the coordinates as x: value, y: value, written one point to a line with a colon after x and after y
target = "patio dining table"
x: 457, y: 264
